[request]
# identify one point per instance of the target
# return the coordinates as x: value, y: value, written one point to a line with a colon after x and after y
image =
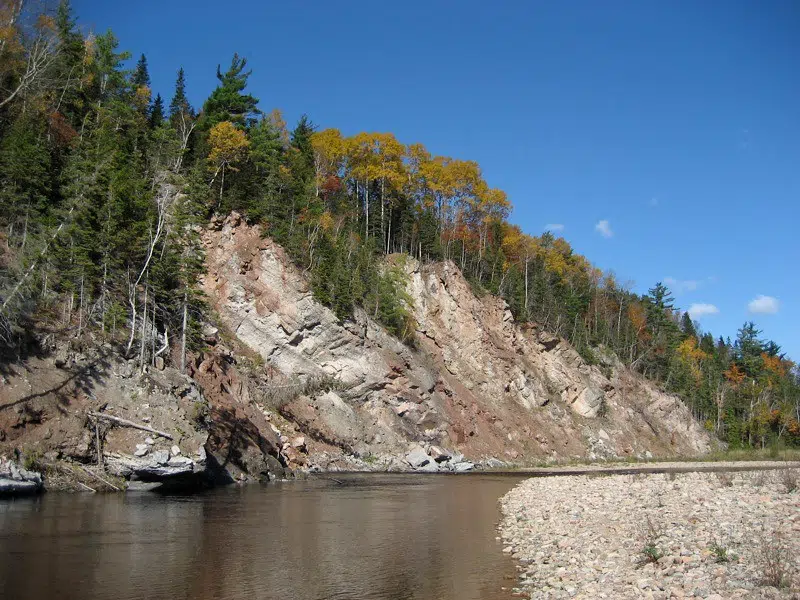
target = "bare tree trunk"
x: 80, y: 308
x: 366, y: 211
x: 162, y: 205
x: 183, y: 329
x: 143, y: 343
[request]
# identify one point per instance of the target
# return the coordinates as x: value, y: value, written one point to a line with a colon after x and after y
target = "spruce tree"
x: 179, y: 105
x: 687, y: 326
x: 157, y: 112
x: 141, y: 76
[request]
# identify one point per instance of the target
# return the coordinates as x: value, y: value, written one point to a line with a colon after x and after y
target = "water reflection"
x: 375, y: 537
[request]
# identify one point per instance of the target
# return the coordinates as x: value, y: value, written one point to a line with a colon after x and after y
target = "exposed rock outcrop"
x: 16, y: 480
x: 285, y: 386
x: 477, y: 382
x: 62, y: 406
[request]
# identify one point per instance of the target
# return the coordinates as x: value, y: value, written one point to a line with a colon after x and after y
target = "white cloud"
x: 697, y: 311
x: 604, y: 228
x: 764, y: 305
x: 554, y: 227
x: 681, y: 285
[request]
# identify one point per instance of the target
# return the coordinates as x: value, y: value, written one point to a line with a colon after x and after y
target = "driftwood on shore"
x: 96, y: 476
x: 127, y: 423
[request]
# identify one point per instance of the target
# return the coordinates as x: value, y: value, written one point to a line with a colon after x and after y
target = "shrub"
x: 199, y: 415
x: 720, y: 553
x: 32, y: 460
x: 725, y: 479
x: 789, y: 479
x: 776, y: 560
x: 650, y: 552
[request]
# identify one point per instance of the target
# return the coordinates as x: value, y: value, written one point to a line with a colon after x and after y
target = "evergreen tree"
x: 141, y: 75
x: 687, y: 326
x: 157, y: 112
x: 179, y: 105
x: 228, y: 102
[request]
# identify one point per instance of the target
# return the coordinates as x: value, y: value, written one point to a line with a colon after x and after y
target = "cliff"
x: 476, y: 383
x: 284, y: 386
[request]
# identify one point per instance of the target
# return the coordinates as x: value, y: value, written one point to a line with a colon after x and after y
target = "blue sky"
x: 663, y: 136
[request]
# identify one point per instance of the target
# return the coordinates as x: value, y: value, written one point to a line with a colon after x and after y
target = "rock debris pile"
x: 709, y: 535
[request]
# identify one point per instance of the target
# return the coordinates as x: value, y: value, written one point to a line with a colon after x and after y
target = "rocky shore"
x: 706, y: 535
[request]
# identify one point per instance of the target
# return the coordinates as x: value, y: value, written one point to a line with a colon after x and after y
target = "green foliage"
x: 227, y: 102
x: 32, y: 460
x: 720, y: 553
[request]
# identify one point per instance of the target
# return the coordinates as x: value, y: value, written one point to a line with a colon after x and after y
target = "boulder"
x: 160, y: 457
x: 151, y: 468
x: 417, y: 458
x: 18, y: 481
x: 588, y: 402
x: 438, y: 454
x: 429, y: 467
x: 462, y: 467
x: 402, y: 409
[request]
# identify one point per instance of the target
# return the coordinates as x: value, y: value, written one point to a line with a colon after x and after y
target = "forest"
x: 106, y: 185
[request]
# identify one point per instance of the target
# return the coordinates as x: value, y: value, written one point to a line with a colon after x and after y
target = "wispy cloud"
x: 681, y: 285
x: 701, y: 309
x: 554, y: 227
x: 764, y: 305
x: 603, y: 227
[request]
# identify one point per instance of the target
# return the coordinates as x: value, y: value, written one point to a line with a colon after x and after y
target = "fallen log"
x: 83, y: 485
x: 96, y: 476
x: 126, y: 423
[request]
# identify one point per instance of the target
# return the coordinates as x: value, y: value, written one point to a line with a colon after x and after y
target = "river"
x: 387, y: 537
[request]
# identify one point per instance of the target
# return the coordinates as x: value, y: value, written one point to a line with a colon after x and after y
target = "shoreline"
x: 104, y: 485
x: 671, y: 534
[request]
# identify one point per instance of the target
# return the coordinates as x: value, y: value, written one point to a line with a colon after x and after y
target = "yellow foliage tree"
x: 228, y: 146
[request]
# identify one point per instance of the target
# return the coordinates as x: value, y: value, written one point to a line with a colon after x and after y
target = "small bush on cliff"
x: 394, y: 305
x: 199, y: 415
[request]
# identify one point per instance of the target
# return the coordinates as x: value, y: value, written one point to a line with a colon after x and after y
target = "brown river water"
x: 390, y: 537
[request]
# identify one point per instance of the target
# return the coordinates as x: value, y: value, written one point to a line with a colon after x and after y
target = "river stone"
x: 438, y: 454
x: 417, y: 458
x: 429, y: 467
x: 175, y: 450
x: 463, y: 467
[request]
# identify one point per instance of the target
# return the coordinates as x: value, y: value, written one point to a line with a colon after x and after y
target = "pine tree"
x: 227, y: 102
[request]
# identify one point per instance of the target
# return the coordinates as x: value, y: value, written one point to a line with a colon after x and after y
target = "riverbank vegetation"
x: 105, y: 186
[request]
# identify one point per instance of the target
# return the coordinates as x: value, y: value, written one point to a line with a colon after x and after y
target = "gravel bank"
x: 654, y: 536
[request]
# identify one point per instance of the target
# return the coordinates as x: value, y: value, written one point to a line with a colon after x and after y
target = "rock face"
x: 217, y: 436
x: 476, y: 382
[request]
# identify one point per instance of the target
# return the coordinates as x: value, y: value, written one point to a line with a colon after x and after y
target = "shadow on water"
x: 334, y: 537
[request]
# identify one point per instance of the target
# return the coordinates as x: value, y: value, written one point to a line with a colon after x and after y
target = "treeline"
x: 105, y: 189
